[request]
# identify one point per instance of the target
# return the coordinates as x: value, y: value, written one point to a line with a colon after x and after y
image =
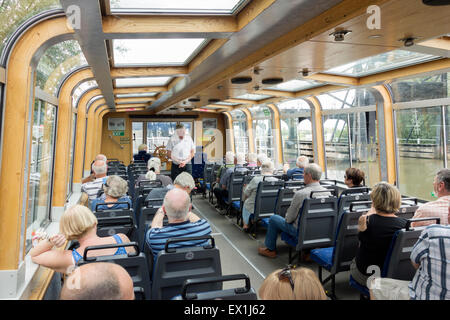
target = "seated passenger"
x: 220, y: 189
x: 183, y: 181
x: 252, y: 160
x: 77, y: 223
x: 249, y: 192
x: 92, y: 188
x: 98, y: 281
x: 84, y: 199
x: 182, y: 223
x: 431, y: 281
x: 142, y: 153
x: 376, y: 229
x: 91, y: 177
x: 154, y: 165
x: 260, y: 159
x: 292, y: 284
x: 301, y: 163
x: 198, y: 162
x: 354, y: 178
x: 115, y: 190
x: 289, y: 224
x: 439, y: 207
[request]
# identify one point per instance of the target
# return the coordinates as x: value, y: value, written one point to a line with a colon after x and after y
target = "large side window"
x: 41, y: 168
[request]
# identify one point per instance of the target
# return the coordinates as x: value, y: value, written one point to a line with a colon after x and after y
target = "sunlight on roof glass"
x: 295, y: 85
x: 382, y: 62
x: 132, y: 52
x: 251, y: 96
x: 136, y: 95
x: 142, y: 82
x: 182, y: 6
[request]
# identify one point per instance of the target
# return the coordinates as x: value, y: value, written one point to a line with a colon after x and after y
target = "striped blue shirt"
x: 432, y: 252
x: 156, y: 237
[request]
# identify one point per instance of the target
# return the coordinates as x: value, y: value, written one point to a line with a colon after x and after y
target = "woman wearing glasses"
x: 292, y: 284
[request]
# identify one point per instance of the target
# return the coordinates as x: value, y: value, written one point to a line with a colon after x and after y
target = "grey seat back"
x: 397, y: 264
x: 240, y: 293
x: 235, y: 186
x: 347, y: 242
x: 408, y: 208
x: 317, y: 222
x: 284, y: 200
x: 135, y: 264
x: 346, y: 198
x: 266, y: 196
x: 107, y: 226
x: 174, y: 266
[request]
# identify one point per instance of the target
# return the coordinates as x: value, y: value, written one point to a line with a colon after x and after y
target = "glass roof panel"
x: 290, y: 107
x: 14, y: 12
x: 142, y: 82
x: 383, y: 62
x: 155, y: 52
x: 136, y: 95
x: 225, y: 7
x: 57, y: 61
x: 79, y: 90
x: 223, y: 103
x: 295, y: 85
x: 254, y: 97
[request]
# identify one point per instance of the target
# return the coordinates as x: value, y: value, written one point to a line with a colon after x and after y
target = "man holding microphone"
x: 181, y: 150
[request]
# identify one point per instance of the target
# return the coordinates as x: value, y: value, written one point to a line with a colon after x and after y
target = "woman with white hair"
x: 154, y: 165
x: 249, y: 194
x: 115, y: 190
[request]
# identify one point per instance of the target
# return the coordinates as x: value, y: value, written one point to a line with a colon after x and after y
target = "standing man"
x: 181, y: 150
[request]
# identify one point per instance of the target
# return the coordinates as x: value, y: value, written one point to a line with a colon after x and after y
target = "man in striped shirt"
x: 92, y: 188
x: 182, y: 223
x: 439, y: 207
x: 430, y: 256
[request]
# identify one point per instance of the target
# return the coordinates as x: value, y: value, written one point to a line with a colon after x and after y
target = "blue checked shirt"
x: 432, y: 252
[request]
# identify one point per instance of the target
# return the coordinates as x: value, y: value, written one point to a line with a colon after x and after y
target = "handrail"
x: 121, y: 146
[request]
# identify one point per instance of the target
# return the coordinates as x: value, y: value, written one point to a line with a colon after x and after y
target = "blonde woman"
x: 292, y: 284
x: 376, y: 229
x: 77, y: 223
x: 115, y: 190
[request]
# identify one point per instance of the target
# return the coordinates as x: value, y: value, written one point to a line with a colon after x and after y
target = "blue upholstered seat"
x: 236, y: 205
x: 323, y: 256
x: 362, y: 289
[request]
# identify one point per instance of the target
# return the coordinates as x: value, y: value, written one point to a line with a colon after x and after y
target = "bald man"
x: 182, y: 223
x: 91, y: 177
x: 98, y: 281
x: 100, y: 168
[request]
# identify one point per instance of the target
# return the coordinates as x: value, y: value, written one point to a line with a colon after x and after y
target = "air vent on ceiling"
x: 188, y: 109
x: 173, y: 109
x: 272, y: 81
x: 194, y: 99
x: 212, y: 100
x: 241, y: 80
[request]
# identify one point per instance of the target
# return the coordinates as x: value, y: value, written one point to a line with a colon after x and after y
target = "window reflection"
x: 41, y: 168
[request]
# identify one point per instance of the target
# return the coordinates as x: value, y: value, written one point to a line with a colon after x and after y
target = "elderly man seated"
x: 221, y: 191
x: 92, y: 188
x: 439, y: 207
x: 98, y: 281
x: 278, y: 224
x: 297, y: 172
x: 182, y: 223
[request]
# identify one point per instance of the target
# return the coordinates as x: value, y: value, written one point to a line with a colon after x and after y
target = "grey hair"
x: 184, y: 180
x: 150, y: 175
x: 240, y: 158
x: 267, y: 167
x: 117, y: 187
x: 314, y: 170
x: 302, y: 161
x: 177, y: 210
x: 101, y: 168
x: 229, y: 157
x: 155, y: 164
x: 101, y: 157
x: 262, y: 157
x: 252, y: 157
x: 444, y: 176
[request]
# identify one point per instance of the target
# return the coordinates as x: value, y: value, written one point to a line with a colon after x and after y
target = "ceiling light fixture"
x: 339, y: 34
